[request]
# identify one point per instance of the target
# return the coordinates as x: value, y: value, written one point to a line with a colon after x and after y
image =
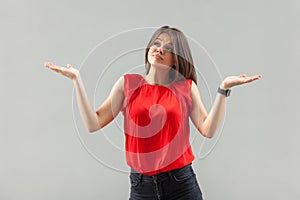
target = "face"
x: 160, y: 53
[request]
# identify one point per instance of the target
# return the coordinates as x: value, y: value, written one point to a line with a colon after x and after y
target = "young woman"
x: 156, y: 108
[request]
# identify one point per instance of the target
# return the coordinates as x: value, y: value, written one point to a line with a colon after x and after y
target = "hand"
x: 68, y: 71
x: 231, y: 81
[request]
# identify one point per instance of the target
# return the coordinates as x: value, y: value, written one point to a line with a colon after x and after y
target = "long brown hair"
x: 184, y: 64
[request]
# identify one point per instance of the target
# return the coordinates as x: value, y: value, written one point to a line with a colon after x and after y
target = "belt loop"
x: 140, y: 177
x: 170, y: 174
x: 155, y: 178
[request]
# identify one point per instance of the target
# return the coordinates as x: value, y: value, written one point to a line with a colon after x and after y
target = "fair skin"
x: 160, y: 59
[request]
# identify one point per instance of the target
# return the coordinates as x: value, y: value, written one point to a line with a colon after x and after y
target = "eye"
x: 169, y: 49
x: 156, y: 44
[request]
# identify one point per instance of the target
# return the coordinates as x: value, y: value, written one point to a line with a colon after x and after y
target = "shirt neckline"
x: 155, y: 84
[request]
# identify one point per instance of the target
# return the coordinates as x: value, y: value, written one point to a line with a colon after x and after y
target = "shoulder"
x: 194, y: 89
x: 128, y: 77
x: 119, y: 84
x: 132, y: 79
x: 193, y: 84
x: 132, y: 76
x: 131, y: 82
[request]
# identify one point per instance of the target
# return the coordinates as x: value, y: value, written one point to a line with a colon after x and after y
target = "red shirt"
x: 156, y: 125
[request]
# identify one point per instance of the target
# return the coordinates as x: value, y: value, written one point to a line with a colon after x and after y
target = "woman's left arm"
x: 207, y: 124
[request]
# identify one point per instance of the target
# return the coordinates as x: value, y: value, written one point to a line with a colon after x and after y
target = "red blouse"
x: 156, y: 125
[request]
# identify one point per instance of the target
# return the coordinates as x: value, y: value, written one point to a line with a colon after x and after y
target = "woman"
x: 156, y: 108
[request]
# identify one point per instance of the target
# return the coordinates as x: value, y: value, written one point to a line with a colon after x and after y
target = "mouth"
x: 157, y: 56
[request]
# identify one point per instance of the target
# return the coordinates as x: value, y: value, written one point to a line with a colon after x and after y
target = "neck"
x: 157, y: 75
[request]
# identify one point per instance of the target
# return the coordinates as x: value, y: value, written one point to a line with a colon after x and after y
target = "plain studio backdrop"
x: 43, y: 151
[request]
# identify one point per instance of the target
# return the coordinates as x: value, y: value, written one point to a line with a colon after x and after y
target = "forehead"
x: 164, y: 37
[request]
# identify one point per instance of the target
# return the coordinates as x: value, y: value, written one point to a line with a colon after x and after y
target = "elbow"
x: 210, y: 134
x: 93, y: 129
x: 207, y: 131
x: 207, y: 134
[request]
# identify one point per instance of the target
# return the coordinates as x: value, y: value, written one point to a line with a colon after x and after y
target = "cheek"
x: 149, y: 56
x: 171, y: 59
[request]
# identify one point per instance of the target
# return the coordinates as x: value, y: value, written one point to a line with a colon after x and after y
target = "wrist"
x: 75, y: 79
x: 225, y: 92
x: 223, y: 86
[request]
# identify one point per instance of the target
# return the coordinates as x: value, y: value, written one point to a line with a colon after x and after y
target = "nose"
x: 160, y: 50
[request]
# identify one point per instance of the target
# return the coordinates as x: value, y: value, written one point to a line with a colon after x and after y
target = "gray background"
x: 41, y: 155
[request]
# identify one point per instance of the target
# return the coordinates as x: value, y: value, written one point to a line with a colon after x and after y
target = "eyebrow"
x: 162, y: 40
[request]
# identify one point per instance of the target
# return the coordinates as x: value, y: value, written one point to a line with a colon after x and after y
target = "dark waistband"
x: 163, y: 175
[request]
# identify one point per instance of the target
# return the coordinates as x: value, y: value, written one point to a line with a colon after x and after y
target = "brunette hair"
x: 184, y: 64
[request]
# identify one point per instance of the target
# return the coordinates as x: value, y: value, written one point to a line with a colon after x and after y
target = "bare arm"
x: 86, y: 111
x: 207, y: 124
x: 106, y: 112
x: 112, y: 105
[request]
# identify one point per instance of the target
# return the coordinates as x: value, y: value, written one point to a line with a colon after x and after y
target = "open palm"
x: 232, y: 81
x: 68, y: 71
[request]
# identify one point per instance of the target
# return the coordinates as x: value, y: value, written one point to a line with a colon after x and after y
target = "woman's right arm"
x: 106, y: 112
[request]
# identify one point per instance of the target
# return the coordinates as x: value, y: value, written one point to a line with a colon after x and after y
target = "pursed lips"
x: 157, y: 56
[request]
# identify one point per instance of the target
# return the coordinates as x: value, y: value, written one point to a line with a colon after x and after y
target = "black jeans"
x: 178, y: 184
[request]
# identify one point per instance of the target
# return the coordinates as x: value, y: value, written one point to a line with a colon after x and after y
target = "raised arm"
x: 207, y: 124
x: 106, y: 112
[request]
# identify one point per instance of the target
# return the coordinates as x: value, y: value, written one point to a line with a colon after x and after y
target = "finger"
x: 243, y: 75
x: 248, y: 79
x: 51, y: 65
x: 253, y: 78
x: 47, y: 64
x: 57, y: 69
x: 54, y: 67
x: 256, y: 77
